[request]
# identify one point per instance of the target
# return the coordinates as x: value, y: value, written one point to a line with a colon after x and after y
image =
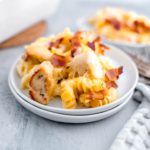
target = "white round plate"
x: 68, y: 118
x: 126, y: 84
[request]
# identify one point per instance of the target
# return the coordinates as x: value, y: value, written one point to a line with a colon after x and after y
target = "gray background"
x: 22, y: 130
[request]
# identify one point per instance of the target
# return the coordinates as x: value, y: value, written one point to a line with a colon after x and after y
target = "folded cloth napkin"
x: 135, y: 135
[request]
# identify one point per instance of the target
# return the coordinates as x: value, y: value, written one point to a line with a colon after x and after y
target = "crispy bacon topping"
x: 140, y: 26
x: 75, y: 43
x: 102, y: 48
x: 76, y: 39
x: 97, y: 39
x: 111, y: 84
x: 58, y: 61
x: 115, y: 23
x: 137, y: 26
x: 91, y: 45
x: 78, y: 34
x: 96, y: 95
x: 59, y: 41
x: 113, y: 74
x: 120, y: 70
x: 56, y: 43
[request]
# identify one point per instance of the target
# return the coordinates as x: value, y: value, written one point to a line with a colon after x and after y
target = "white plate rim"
x: 77, y: 111
x: 67, y: 118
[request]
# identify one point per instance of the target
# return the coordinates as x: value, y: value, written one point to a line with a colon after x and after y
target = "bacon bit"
x: 91, y: 45
x: 120, y: 70
x: 111, y: 84
x: 115, y: 23
x: 59, y: 41
x: 113, y: 74
x: 96, y: 95
x: 74, y: 52
x: 104, y: 47
x: 97, y: 39
x: 56, y: 43
x: 139, y: 23
x: 136, y: 26
x: 78, y: 34
x: 57, y: 60
x: 75, y: 41
x: 136, y: 22
x: 140, y: 26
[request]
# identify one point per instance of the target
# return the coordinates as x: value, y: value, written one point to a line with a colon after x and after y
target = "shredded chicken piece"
x: 87, y: 62
x: 42, y: 84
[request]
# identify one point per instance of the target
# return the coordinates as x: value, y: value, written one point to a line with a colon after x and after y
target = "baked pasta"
x: 121, y: 25
x: 72, y: 66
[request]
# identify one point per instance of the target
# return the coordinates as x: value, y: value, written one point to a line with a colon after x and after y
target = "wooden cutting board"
x: 26, y: 36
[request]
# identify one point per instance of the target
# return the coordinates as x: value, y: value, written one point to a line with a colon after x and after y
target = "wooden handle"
x: 28, y: 35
